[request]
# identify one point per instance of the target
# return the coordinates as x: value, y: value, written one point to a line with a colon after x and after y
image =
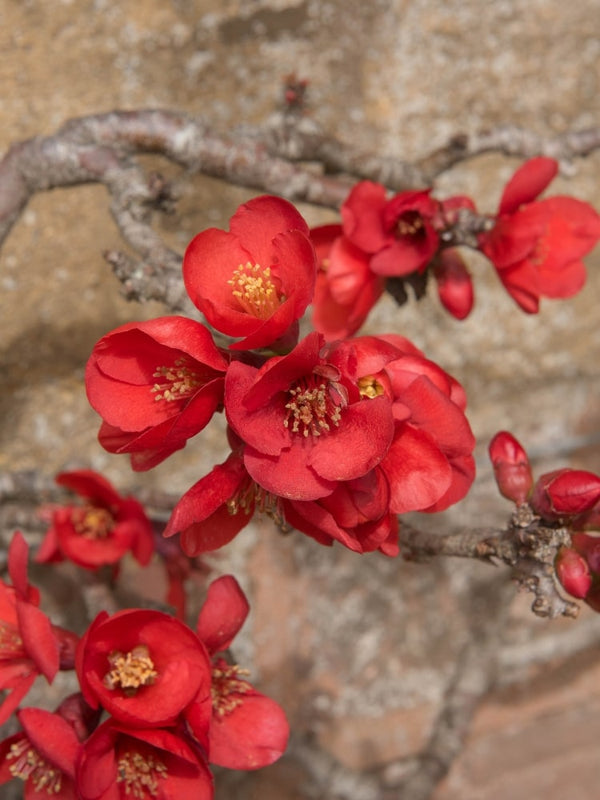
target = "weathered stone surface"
x: 359, y: 651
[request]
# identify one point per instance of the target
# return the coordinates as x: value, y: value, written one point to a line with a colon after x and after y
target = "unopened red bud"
x: 573, y: 572
x: 565, y: 493
x: 589, y: 547
x: 512, y: 469
x: 454, y: 284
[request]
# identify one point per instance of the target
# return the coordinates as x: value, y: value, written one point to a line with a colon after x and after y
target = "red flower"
x: 143, y: 667
x: 99, y: 532
x: 155, y: 384
x: 248, y: 730
x: 356, y: 514
x: 512, y: 469
x: 119, y: 763
x: 398, y: 233
x: 216, y: 508
x: 256, y: 280
x: 429, y: 463
x: 537, y: 245
x: 44, y: 755
x: 346, y: 288
x: 304, y: 424
x: 29, y: 644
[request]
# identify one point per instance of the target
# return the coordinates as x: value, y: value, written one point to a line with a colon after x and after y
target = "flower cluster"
x: 536, y: 247
x: 565, y: 497
x: 158, y: 701
x: 334, y: 439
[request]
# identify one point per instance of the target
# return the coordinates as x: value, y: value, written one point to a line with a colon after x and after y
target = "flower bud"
x: 455, y: 288
x: 512, y: 469
x: 565, y: 493
x: 589, y: 547
x: 573, y: 572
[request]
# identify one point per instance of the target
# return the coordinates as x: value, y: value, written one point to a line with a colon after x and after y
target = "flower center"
x: 93, y: 523
x: 255, y: 291
x: 251, y: 497
x: 130, y: 670
x: 178, y: 382
x: 140, y: 774
x: 315, y: 405
x: 410, y: 224
x: 369, y: 387
x: 11, y: 644
x: 29, y: 765
x: 227, y: 686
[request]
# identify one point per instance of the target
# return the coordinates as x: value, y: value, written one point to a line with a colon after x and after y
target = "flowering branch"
x: 102, y: 148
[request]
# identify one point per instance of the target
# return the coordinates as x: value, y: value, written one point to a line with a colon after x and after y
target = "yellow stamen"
x: 314, y: 407
x: 227, y: 686
x: 11, y: 644
x: 29, y: 765
x: 181, y: 381
x: 130, y: 670
x: 93, y: 523
x: 140, y: 774
x: 369, y: 387
x: 255, y: 291
x: 409, y: 224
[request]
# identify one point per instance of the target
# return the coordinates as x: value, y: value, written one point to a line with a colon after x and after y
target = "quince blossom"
x: 120, y: 763
x: 535, y: 245
x: 256, y: 280
x: 248, y: 730
x: 99, y: 532
x: 155, y: 384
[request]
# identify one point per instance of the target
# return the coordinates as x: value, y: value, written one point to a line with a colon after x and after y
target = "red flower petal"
x: 527, y: 183
x: 223, y: 614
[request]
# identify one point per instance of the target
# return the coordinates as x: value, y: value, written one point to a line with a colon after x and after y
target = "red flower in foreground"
x: 143, y: 667
x: 356, y: 514
x: 256, y: 280
x: 43, y: 755
x: 398, y: 232
x: 99, y: 532
x: 346, y: 288
x: 29, y: 644
x: 155, y: 384
x: 429, y: 463
x: 216, y: 508
x: 119, y: 763
x: 537, y: 245
x: 303, y: 422
x: 248, y: 730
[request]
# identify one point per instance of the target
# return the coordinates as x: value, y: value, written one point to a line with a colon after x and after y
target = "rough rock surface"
x: 359, y: 651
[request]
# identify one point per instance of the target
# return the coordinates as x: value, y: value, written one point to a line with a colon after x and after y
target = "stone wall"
x: 358, y: 650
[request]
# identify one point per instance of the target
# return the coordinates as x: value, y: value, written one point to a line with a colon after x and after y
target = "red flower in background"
x: 397, y: 233
x: 143, y: 667
x: 256, y: 280
x: 346, y: 288
x: 155, y: 384
x: 537, y: 245
x: 43, y: 755
x: 99, y: 532
x: 303, y: 423
x: 248, y: 730
x: 119, y: 763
